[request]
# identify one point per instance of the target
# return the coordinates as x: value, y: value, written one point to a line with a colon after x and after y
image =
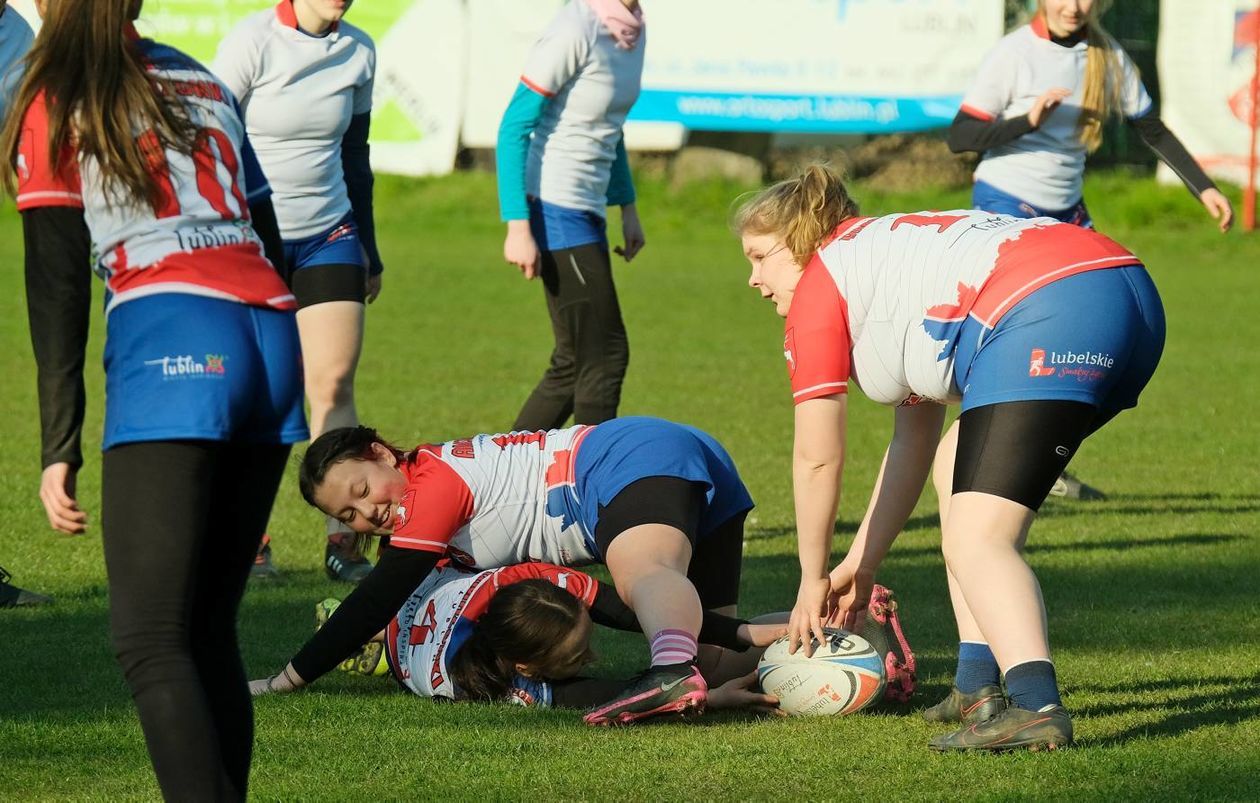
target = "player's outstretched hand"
x: 1219, y: 207
x: 761, y: 635
x: 1045, y: 104
x: 56, y: 491
x: 742, y: 692
x: 806, y: 624
x: 851, y: 592
x: 519, y: 248
x: 631, y: 232
x: 286, y: 681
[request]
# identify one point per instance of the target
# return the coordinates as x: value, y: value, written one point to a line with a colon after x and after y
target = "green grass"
x: 1154, y: 610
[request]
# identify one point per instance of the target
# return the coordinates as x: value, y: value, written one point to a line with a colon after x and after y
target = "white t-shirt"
x: 1043, y: 167
x: 298, y: 93
x: 592, y: 85
x: 883, y: 302
x: 15, y: 39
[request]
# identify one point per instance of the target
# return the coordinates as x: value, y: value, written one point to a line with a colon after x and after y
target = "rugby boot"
x: 969, y: 709
x: 367, y: 660
x: 1068, y: 486
x: 669, y: 689
x: 1013, y: 729
x: 263, y: 568
x: 342, y: 561
x: 13, y: 597
x: 882, y: 628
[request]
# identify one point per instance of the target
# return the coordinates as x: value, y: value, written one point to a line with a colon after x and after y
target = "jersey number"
x: 206, y: 165
x: 421, y: 633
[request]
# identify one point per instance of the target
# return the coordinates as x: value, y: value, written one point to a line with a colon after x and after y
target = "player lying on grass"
x: 1043, y: 331
x: 659, y: 503
x: 522, y: 634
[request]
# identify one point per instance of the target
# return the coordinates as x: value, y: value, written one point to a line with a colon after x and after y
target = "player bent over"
x: 1042, y: 330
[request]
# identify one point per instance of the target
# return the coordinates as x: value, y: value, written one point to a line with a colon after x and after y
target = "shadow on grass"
x: 1180, y: 503
x: 1184, y: 703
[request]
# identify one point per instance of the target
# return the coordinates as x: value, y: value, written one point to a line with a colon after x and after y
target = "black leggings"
x: 181, y: 523
x: 591, y: 352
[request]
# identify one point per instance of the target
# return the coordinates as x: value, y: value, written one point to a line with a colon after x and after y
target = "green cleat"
x: 969, y: 709
x: 368, y: 660
x: 1012, y: 729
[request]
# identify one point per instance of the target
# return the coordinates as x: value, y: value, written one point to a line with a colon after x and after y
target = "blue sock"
x: 1032, y: 685
x: 976, y: 667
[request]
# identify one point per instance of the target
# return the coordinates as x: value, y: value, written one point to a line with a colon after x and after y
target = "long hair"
x: 802, y: 210
x: 102, y: 103
x: 1104, y: 78
x: 526, y: 622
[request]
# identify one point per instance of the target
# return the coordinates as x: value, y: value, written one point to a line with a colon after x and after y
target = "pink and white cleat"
x: 669, y: 689
x: 882, y: 629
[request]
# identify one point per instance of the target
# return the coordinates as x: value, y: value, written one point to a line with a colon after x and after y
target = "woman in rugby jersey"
x: 561, y: 163
x: 523, y: 634
x: 659, y: 503
x: 304, y: 79
x: 127, y: 151
x: 1038, y: 107
x: 1042, y: 331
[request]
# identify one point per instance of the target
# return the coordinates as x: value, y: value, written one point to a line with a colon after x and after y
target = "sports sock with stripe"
x: 673, y: 647
x: 1032, y: 685
x: 976, y: 667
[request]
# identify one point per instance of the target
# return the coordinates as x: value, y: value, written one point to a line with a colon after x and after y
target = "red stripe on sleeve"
x: 979, y: 114
x: 536, y: 88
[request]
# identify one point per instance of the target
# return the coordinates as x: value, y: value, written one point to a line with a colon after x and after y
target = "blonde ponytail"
x: 802, y: 210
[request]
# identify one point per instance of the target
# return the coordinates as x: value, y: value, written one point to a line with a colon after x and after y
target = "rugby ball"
x: 844, y: 675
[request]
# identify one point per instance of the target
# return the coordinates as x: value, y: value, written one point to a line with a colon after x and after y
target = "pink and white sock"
x: 673, y: 647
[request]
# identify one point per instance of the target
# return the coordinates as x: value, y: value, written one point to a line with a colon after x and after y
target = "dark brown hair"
x: 102, y: 103
x: 526, y: 623
x: 331, y: 448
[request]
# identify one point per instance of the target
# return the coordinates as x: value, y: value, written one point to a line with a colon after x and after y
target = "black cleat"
x: 675, y: 688
x: 1013, y: 729
x: 13, y: 597
x: 342, y: 561
x: 1068, y: 486
x: 969, y: 709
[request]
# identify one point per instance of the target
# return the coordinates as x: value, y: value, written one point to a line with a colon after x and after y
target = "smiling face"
x: 1066, y: 17
x: 775, y: 272
x: 363, y: 494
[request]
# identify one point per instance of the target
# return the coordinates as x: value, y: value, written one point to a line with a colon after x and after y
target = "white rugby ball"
x: 844, y: 675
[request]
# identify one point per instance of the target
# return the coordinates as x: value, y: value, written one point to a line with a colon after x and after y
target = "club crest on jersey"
x: 403, y: 511
x: 185, y: 366
x: 789, y: 353
x: 1037, y: 364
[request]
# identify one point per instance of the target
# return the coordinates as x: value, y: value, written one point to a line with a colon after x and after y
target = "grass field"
x: 1154, y: 595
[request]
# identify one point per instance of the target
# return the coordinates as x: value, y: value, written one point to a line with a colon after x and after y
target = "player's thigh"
x: 332, y: 338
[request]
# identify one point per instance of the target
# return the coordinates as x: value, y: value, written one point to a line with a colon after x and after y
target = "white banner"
x: 1207, y: 59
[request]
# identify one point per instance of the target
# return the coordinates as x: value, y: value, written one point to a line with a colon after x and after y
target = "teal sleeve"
x: 620, y: 184
x: 512, y: 149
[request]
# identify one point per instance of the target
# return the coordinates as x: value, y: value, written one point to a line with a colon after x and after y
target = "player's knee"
x: 330, y: 387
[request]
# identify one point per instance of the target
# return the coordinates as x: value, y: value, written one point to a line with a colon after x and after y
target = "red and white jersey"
x: 439, y: 617
x: 495, y: 500
x: 884, y: 300
x: 196, y: 238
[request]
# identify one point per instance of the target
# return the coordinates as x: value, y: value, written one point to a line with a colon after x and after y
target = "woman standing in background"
x: 561, y: 163
x: 304, y: 79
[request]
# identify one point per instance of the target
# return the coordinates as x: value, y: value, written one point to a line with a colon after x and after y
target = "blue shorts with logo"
x: 989, y: 198
x: 186, y: 367
x: 340, y: 245
x: 1093, y: 337
x: 623, y: 450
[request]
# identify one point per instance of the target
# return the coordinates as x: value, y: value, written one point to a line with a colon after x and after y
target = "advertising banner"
x: 1207, y: 58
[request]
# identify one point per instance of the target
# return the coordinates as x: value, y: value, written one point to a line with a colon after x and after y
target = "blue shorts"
x: 183, y: 367
x: 1094, y: 337
x: 618, y: 452
x: 989, y: 198
x: 340, y: 245
x: 556, y: 228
